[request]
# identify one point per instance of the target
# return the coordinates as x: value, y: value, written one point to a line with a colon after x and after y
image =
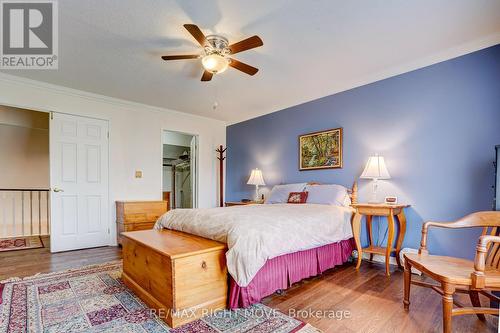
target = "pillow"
x: 279, y: 193
x: 331, y: 194
x: 297, y: 197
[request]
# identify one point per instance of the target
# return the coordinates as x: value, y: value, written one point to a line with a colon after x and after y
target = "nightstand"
x: 242, y: 203
x: 393, y: 213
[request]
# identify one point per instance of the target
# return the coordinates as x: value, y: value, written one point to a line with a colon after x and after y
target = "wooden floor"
x: 23, y: 263
x: 373, y: 302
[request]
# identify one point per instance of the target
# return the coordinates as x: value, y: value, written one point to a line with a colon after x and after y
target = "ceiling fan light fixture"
x: 215, y: 63
x: 216, y: 55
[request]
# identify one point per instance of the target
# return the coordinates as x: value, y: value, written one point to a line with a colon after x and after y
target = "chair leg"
x: 474, y: 299
x: 448, y: 291
x: 407, y: 285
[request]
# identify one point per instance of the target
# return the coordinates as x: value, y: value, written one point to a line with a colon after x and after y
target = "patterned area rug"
x: 20, y: 243
x: 94, y: 299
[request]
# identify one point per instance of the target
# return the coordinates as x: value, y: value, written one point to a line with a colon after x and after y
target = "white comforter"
x: 255, y: 233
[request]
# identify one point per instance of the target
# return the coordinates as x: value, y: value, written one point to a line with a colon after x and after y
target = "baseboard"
x: 392, y: 261
x: 376, y: 258
x: 379, y: 258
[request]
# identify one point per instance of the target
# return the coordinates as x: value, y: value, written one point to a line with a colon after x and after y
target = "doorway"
x: 53, y: 180
x: 24, y: 179
x: 179, y: 169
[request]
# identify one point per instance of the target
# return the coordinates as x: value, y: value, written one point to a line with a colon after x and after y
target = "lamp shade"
x: 256, y: 178
x: 375, y: 168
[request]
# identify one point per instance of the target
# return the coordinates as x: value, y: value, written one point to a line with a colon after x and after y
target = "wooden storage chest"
x: 182, y: 276
x: 137, y: 215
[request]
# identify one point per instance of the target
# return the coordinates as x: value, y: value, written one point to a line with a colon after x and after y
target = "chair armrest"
x: 448, y: 225
x: 478, y: 277
x: 478, y: 219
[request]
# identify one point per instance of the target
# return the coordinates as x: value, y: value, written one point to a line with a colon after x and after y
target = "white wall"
x: 135, y: 136
x: 177, y: 139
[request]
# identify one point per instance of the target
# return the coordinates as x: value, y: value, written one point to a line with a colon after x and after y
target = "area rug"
x: 94, y: 299
x: 20, y: 243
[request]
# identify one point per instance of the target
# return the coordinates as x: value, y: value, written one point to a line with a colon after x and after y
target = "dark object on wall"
x: 496, y: 202
x: 496, y: 199
x: 221, y: 159
x: 321, y: 150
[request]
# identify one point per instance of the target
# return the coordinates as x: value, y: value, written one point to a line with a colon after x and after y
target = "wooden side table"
x: 393, y: 213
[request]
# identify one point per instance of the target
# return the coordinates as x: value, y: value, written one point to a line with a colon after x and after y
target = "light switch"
x: 138, y: 173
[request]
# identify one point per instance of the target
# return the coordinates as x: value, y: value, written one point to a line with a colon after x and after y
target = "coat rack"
x: 221, y: 159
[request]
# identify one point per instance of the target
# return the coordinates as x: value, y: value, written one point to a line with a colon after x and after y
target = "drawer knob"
x: 204, y: 265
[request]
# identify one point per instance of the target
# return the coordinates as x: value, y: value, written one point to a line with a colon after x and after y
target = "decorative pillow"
x: 331, y: 194
x: 279, y: 193
x: 297, y: 197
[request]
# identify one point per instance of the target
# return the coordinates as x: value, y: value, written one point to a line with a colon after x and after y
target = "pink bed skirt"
x: 281, y: 272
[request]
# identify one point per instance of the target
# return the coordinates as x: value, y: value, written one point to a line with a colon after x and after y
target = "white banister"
x: 24, y: 212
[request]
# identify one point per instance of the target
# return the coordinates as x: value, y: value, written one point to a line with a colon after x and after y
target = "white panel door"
x: 79, y: 182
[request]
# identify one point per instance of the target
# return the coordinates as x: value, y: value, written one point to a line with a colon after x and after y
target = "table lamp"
x: 256, y: 179
x: 375, y: 169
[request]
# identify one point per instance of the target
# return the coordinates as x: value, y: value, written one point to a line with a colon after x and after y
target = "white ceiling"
x: 311, y: 48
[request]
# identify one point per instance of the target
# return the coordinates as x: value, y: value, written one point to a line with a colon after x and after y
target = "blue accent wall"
x: 437, y: 128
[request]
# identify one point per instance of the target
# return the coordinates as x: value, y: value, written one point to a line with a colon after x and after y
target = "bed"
x: 271, y: 246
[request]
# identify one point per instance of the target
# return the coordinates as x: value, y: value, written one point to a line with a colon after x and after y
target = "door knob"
x: 55, y: 189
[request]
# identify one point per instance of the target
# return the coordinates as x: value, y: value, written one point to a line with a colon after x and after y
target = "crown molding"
x: 65, y: 91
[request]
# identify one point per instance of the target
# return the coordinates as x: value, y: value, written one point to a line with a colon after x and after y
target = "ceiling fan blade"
x: 207, y: 76
x: 246, y: 44
x: 197, y: 34
x: 243, y: 67
x: 180, y: 57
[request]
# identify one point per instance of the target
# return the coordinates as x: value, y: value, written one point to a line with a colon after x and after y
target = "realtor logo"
x: 29, y: 34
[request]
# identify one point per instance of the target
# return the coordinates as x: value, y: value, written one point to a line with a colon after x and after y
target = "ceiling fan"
x: 215, y: 57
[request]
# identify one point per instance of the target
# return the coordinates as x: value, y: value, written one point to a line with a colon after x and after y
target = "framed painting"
x: 321, y: 150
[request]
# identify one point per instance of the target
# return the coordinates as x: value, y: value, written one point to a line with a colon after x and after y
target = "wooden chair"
x: 459, y: 275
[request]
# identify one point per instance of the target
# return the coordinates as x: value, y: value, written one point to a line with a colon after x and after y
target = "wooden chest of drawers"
x: 181, y: 276
x: 137, y: 215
